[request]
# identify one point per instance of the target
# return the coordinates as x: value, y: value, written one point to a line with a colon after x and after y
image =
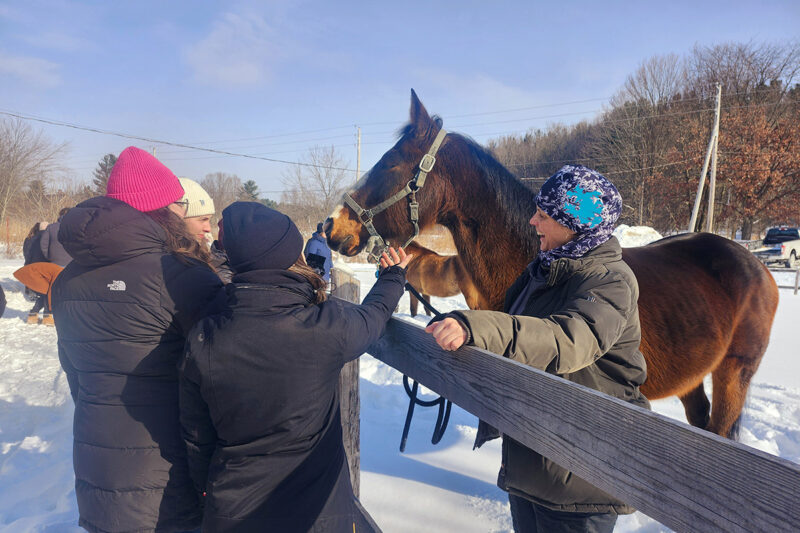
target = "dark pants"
x: 529, y: 517
x: 41, y: 303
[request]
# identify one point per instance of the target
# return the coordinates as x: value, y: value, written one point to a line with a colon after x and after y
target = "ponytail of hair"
x: 300, y: 267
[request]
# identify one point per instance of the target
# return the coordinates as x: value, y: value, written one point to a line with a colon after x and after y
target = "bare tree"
x: 311, y: 192
x: 223, y: 188
x: 25, y: 155
x: 43, y: 200
x: 657, y: 81
x: 634, y: 136
x: 743, y: 69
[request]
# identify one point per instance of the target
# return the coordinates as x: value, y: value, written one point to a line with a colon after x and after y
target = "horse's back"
x: 701, y: 297
x: 704, y: 262
x: 433, y: 274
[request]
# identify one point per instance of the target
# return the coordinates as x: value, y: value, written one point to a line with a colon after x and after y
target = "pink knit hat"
x: 142, y: 181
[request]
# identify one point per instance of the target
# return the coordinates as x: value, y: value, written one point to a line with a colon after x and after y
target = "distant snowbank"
x: 631, y: 236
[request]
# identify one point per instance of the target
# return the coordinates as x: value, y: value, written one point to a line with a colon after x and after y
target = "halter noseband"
x: 410, y: 190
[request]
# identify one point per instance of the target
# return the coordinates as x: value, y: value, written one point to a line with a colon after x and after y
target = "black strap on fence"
x: 444, y: 404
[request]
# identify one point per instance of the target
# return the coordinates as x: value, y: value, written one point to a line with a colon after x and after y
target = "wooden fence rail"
x: 687, y: 479
x: 796, y: 271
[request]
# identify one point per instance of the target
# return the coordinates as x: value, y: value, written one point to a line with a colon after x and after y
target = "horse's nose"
x: 327, y: 226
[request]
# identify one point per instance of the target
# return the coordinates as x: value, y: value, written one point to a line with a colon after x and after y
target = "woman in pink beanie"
x: 123, y: 307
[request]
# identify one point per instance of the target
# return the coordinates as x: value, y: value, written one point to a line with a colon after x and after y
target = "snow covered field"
x: 447, y: 487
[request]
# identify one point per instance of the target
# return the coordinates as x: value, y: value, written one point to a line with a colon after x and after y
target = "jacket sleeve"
x: 358, y: 326
x: 585, y: 327
x: 328, y: 260
x: 197, y: 428
x: 44, y: 244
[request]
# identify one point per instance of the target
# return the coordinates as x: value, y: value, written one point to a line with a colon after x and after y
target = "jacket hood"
x: 104, y: 230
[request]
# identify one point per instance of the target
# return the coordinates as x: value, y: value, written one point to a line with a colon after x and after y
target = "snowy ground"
x: 442, y: 488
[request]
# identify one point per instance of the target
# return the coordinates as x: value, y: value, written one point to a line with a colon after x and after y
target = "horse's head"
x: 348, y: 232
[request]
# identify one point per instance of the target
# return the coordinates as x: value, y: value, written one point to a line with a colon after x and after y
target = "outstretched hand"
x: 448, y: 333
x: 393, y: 258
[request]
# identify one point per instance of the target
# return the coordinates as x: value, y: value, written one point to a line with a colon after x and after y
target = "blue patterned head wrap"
x: 583, y: 200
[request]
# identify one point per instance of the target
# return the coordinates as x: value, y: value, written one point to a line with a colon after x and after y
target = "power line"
x: 226, y: 153
x: 168, y: 143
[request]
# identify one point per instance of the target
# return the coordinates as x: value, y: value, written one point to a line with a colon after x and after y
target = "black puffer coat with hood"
x: 123, y: 308
x: 259, y: 401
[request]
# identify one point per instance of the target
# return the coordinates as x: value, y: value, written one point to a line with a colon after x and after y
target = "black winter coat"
x: 259, y: 403
x: 52, y: 250
x: 32, y: 249
x: 122, y: 310
x: 219, y: 260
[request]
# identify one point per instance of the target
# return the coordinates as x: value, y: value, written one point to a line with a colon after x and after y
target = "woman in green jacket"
x: 572, y: 313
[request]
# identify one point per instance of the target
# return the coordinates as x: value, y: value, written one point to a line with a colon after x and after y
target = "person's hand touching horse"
x: 398, y: 257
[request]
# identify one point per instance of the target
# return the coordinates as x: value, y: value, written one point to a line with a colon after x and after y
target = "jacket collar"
x: 289, y: 288
x: 560, y: 269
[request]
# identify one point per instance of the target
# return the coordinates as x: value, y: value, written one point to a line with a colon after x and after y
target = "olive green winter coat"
x: 582, y: 325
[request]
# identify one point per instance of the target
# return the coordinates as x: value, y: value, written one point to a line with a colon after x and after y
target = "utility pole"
x: 712, y: 143
x: 358, y: 151
x: 712, y: 180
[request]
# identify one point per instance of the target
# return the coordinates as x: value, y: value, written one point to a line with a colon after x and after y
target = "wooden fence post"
x: 348, y: 288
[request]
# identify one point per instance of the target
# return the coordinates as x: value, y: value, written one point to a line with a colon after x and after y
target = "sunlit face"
x: 199, y: 227
x: 551, y: 233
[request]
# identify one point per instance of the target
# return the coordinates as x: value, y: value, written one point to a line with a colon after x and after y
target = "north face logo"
x: 116, y: 285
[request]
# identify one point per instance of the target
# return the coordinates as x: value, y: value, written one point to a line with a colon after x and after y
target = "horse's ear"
x: 420, y: 119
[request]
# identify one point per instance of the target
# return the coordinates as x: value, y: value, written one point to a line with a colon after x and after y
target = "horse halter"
x: 410, y: 191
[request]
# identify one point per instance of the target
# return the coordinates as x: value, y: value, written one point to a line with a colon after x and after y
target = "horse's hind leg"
x: 413, y: 304
x: 697, y: 407
x: 428, y: 301
x: 731, y: 380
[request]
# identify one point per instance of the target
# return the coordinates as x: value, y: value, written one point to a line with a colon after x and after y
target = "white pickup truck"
x: 781, y: 245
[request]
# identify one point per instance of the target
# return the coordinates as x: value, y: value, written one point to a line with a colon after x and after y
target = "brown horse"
x: 438, y: 275
x: 706, y: 303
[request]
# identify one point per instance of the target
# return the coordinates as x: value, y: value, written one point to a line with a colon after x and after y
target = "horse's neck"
x: 491, y: 234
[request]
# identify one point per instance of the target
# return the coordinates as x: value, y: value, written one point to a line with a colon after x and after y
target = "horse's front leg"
x: 697, y: 407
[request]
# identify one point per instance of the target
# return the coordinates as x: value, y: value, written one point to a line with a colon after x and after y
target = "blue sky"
x: 276, y: 78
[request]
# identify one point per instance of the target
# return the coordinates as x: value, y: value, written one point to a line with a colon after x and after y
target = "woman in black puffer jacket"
x: 259, y: 403
x: 123, y: 308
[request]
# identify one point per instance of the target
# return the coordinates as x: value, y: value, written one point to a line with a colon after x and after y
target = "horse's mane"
x: 515, y: 200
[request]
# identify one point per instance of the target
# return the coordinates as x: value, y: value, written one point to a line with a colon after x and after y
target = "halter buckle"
x: 427, y: 162
x: 413, y: 208
x: 365, y: 216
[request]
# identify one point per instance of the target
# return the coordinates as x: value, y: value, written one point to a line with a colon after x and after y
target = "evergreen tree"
x: 102, y: 172
x: 250, y: 191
